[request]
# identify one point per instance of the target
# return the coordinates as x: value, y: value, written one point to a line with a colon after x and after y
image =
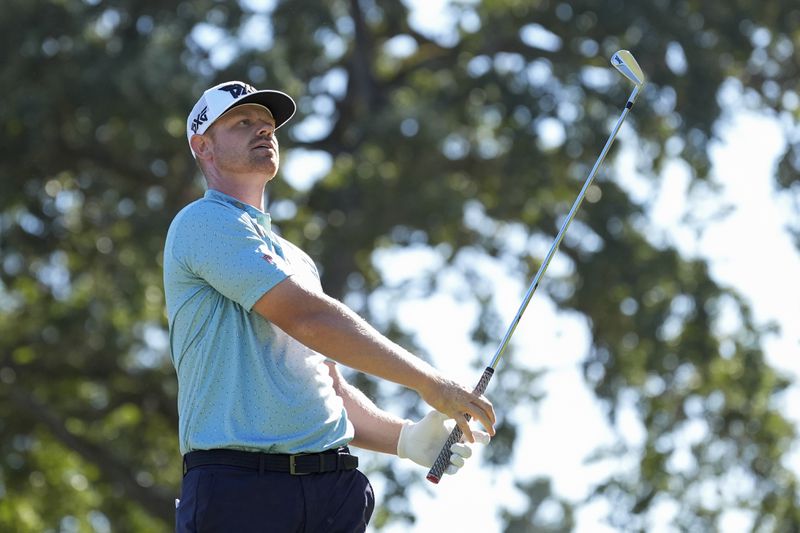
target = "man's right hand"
x: 455, y: 400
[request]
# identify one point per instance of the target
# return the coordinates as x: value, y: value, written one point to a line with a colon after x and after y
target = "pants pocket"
x: 356, y: 501
x: 196, y: 490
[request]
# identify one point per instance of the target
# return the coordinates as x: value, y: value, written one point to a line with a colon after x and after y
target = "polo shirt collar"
x: 261, y: 217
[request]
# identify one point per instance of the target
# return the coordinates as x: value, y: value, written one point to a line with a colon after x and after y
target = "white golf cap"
x: 220, y: 98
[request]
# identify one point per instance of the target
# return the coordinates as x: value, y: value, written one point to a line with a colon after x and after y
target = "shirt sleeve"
x: 222, y: 246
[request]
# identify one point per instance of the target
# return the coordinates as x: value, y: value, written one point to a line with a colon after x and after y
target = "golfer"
x: 265, y: 417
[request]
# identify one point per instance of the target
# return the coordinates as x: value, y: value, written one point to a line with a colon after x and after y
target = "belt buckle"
x: 293, y: 466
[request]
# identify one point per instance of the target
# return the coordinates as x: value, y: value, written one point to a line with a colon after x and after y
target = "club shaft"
x: 557, y: 242
x: 443, y: 460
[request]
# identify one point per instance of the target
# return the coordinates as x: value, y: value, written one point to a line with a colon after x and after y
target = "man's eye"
x: 244, y: 122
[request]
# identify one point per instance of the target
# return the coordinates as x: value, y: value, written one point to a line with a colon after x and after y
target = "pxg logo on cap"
x: 235, y: 89
x: 221, y: 98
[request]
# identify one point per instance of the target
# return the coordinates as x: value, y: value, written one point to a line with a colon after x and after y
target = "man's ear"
x: 201, y: 146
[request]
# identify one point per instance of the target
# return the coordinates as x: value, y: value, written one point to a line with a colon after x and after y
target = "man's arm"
x: 375, y: 429
x: 332, y: 329
x: 380, y: 431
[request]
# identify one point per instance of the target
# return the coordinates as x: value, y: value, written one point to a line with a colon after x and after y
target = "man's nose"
x: 266, y: 129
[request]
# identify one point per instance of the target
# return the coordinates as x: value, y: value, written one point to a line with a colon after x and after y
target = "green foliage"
x: 422, y: 132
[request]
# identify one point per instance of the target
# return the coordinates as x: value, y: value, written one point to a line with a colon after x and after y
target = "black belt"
x: 296, y: 465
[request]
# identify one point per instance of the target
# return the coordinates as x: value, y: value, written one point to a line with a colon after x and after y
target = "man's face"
x: 243, y: 142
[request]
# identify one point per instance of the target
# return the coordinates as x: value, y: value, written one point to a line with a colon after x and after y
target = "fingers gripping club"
x: 442, y: 462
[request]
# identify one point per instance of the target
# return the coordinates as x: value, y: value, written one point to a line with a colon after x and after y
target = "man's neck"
x: 245, y: 187
x: 249, y: 192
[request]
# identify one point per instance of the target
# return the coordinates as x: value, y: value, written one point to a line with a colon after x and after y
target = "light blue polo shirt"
x: 242, y: 382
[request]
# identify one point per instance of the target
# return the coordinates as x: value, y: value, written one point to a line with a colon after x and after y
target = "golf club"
x: 625, y: 63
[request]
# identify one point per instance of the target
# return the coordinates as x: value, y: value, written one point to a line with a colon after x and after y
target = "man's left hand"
x: 422, y: 441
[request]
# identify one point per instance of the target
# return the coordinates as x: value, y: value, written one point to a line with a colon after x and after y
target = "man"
x: 265, y: 415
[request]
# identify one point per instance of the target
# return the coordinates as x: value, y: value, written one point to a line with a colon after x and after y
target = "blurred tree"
x: 447, y: 141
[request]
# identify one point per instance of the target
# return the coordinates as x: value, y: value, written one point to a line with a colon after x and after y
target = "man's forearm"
x: 331, y: 328
x: 375, y: 429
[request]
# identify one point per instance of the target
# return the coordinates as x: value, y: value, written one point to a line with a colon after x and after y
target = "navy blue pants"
x: 227, y: 498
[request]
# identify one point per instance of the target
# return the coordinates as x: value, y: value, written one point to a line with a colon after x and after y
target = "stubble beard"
x: 266, y: 164
x: 261, y: 162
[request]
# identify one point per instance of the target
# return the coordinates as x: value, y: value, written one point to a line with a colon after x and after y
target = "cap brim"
x: 279, y: 104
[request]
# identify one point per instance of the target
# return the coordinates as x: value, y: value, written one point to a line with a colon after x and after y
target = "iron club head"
x: 624, y: 62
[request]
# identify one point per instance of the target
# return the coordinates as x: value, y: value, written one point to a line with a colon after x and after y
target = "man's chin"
x: 266, y: 164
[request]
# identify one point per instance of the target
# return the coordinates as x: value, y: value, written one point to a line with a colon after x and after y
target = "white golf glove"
x: 422, y: 441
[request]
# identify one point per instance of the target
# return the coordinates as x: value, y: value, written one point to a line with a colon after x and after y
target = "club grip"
x: 442, y: 462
